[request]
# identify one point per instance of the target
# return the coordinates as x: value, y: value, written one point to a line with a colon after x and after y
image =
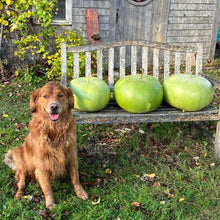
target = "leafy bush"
x: 28, y: 23
x: 72, y: 38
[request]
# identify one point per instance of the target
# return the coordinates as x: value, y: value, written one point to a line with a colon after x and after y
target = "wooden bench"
x: 116, y: 55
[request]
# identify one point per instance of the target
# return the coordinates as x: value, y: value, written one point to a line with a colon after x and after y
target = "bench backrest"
x: 157, y: 52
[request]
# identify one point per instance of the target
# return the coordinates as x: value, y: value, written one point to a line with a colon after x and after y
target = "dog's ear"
x: 33, y: 99
x: 70, y: 98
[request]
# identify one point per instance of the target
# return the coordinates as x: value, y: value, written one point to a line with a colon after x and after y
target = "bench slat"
x: 88, y: 64
x: 145, y: 59
x: 199, y: 58
x: 63, y: 65
x: 106, y: 45
x: 166, y: 64
x: 156, y: 63
x: 76, y: 65
x: 188, y: 63
x: 177, y: 63
x: 99, y: 63
x: 113, y: 114
x: 122, y: 61
x: 111, y: 67
x: 133, y: 60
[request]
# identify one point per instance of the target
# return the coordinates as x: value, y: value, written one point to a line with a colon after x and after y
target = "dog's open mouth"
x: 54, y: 116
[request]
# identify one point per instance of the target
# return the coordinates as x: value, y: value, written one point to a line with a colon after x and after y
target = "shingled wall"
x: 181, y: 22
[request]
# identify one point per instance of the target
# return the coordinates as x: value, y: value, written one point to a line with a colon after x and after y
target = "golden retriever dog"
x: 49, y: 150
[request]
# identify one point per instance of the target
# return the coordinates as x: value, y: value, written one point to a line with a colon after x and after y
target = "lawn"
x: 148, y: 171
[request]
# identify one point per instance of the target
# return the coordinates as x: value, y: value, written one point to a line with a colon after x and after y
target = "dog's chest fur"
x: 55, y: 148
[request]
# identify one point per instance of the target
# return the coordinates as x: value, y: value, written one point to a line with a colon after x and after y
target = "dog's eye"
x: 45, y: 96
x: 60, y: 95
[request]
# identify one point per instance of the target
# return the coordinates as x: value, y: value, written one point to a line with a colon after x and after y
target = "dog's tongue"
x: 54, y: 117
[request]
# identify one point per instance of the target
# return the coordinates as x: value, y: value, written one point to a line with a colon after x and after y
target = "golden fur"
x: 49, y: 150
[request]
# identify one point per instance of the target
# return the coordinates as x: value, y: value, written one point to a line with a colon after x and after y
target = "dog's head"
x: 52, y: 101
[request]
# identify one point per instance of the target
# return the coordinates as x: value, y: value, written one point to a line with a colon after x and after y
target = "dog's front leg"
x: 74, y: 174
x: 20, y: 177
x: 44, y: 181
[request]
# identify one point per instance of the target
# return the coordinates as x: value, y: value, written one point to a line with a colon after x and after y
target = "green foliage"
x: 72, y: 38
x: 31, y: 74
x: 28, y: 22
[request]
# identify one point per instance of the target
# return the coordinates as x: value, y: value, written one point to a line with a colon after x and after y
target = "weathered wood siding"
x: 181, y: 22
x: 193, y: 21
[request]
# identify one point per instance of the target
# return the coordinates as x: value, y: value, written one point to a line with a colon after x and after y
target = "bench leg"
x: 217, y: 140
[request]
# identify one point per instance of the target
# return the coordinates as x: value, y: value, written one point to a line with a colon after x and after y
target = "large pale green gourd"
x: 138, y: 93
x: 188, y: 92
x: 90, y: 93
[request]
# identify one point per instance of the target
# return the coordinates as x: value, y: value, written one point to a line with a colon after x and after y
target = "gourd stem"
x: 142, y: 73
x: 90, y: 77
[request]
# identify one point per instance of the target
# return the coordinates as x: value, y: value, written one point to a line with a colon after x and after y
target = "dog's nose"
x: 54, y: 107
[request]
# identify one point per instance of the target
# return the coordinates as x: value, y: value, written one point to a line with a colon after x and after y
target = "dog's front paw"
x: 18, y: 195
x: 80, y: 192
x: 50, y: 206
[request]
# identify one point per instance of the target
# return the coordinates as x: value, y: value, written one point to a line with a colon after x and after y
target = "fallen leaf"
x: 196, y: 158
x: 136, y: 176
x: 168, y: 152
x: 151, y: 175
x: 5, y: 115
x: 156, y: 184
x: 181, y: 199
x: 135, y: 205
x: 169, y: 195
x: 212, y: 164
x: 162, y: 202
x: 29, y: 197
x: 123, y: 181
x: 108, y: 171
x: 96, y: 202
x: 19, y: 125
x: 148, y: 177
x: 43, y: 213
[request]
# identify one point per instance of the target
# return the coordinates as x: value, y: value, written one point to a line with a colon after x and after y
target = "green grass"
x: 113, y: 161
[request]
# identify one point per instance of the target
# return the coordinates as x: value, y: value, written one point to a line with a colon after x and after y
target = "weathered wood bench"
x: 146, y: 52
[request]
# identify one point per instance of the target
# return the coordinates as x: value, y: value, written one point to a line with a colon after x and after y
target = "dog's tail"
x: 9, y: 160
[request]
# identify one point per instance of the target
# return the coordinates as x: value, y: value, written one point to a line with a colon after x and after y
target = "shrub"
x: 28, y: 23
